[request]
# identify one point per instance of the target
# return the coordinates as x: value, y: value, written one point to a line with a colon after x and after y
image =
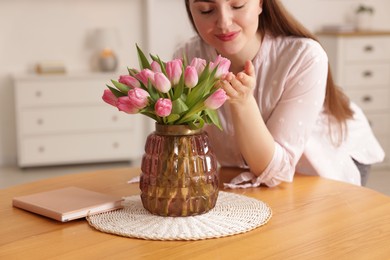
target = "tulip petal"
x: 163, y: 107
x: 125, y: 105
x: 216, y: 99
x: 161, y: 82
x: 110, y: 98
x: 138, y: 97
x: 190, y: 76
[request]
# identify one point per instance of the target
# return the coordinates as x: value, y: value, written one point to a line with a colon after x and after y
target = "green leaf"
x: 196, y: 124
x: 212, y: 74
x: 121, y: 87
x: 132, y: 72
x: 205, y: 84
x: 213, y: 116
x: 178, y: 106
x: 179, y: 88
x: 172, y: 118
x: 148, y: 111
x: 193, y: 111
x: 143, y: 61
x: 154, y: 57
x: 187, y: 119
x: 152, y: 92
x: 162, y: 64
x: 185, y: 59
x: 197, y: 93
x: 205, y: 73
x: 206, y: 118
x: 149, y: 114
x: 116, y: 92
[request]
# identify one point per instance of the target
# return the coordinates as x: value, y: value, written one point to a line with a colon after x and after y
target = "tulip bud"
x: 223, y: 66
x: 125, y: 105
x: 138, y: 97
x: 215, y: 100
x: 145, y: 75
x: 129, y: 81
x: 155, y: 66
x: 109, y: 98
x: 161, y: 82
x: 199, y: 64
x: 163, y: 107
x: 174, y: 70
x: 190, y: 77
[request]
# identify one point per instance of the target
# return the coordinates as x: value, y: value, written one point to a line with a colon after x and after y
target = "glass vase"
x: 179, y: 172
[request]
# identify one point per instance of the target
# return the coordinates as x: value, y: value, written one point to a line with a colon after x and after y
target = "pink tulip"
x: 138, y: 97
x: 174, y: 70
x: 125, y: 105
x: 223, y: 66
x: 161, y: 82
x: 110, y: 98
x: 190, y: 77
x: 145, y: 75
x: 199, y: 64
x: 163, y: 107
x: 155, y: 66
x: 216, y: 99
x: 129, y: 81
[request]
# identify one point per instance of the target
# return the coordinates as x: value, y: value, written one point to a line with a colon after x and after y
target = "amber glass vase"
x: 179, y: 172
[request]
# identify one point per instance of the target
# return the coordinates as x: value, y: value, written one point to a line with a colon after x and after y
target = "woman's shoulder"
x: 299, y: 45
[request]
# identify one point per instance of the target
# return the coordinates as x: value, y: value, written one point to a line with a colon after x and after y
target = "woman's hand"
x: 240, y: 87
x: 250, y: 131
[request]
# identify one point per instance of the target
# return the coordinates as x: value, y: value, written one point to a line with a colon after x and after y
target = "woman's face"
x: 230, y: 26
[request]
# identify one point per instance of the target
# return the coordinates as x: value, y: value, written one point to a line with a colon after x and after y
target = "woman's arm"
x: 255, y: 141
x: 272, y: 148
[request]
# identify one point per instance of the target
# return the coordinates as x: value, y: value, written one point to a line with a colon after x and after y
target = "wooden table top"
x: 313, y: 218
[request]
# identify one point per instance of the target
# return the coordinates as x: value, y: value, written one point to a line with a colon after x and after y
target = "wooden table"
x: 313, y: 218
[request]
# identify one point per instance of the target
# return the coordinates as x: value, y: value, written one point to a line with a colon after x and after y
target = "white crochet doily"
x: 233, y: 214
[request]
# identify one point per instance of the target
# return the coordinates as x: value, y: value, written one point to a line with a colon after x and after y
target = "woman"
x: 284, y: 113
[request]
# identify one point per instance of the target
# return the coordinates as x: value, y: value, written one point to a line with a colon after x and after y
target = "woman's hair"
x: 275, y: 20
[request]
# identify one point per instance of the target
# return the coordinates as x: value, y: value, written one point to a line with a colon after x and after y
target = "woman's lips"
x: 227, y: 36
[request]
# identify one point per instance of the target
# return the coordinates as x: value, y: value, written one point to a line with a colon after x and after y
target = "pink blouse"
x: 290, y: 91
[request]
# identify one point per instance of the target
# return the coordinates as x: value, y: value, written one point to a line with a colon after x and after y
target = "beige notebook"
x: 67, y: 203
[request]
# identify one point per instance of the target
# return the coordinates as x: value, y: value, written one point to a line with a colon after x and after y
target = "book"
x: 67, y: 203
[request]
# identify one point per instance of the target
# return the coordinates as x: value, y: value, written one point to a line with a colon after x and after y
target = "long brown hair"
x: 275, y: 20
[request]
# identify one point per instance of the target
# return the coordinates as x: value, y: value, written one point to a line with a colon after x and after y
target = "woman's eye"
x: 208, y: 11
x: 238, y: 7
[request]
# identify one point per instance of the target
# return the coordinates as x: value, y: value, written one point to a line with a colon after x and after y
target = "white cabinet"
x: 361, y: 66
x: 62, y: 119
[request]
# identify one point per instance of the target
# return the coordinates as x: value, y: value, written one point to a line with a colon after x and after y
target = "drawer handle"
x: 41, y: 149
x: 367, y: 99
x: 40, y: 121
x: 114, y: 118
x: 368, y: 48
x: 367, y: 74
x: 115, y: 145
x: 38, y: 93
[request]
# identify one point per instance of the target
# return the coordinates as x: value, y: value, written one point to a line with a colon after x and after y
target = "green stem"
x: 195, y: 109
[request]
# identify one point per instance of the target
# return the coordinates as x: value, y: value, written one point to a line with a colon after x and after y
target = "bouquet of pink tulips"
x: 172, y: 93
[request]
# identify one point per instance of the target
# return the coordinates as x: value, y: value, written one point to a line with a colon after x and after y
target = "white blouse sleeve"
x: 294, y: 114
